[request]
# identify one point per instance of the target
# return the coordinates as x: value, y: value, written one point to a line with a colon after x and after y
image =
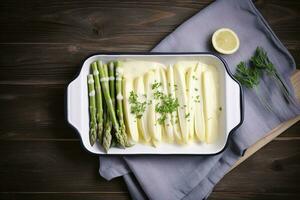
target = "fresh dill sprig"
x: 249, y: 77
x: 261, y: 61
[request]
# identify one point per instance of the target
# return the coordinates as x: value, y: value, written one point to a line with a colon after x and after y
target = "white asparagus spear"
x: 168, y: 127
x: 191, y: 93
x: 211, y: 105
x: 181, y: 95
x: 199, y: 120
x: 174, y: 115
x: 142, y: 96
x: 130, y: 119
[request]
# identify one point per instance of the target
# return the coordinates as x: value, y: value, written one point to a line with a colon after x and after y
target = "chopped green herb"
x: 197, y: 99
x: 137, y: 108
x: 194, y: 77
x: 175, y: 87
x: 167, y: 105
x: 220, y: 108
x: 158, y: 95
x: 187, y: 115
x: 196, y: 89
x: 156, y: 85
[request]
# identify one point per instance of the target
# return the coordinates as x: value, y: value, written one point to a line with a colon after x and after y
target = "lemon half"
x: 225, y: 41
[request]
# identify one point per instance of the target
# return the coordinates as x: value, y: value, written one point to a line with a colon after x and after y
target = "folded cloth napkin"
x: 193, y: 177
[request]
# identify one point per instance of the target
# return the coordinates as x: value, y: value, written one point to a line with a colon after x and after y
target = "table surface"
x: 42, y: 45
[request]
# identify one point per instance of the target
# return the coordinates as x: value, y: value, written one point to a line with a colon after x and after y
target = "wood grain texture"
x: 267, y: 171
x: 26, y: 172
x: 43, y: 44
x: 51, y: 166
x: 66, y: 196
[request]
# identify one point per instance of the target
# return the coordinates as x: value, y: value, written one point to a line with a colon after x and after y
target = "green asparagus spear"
x: 110, y: 107
x: 119, y: 77
x: 92, y: 108
x: 111, y: 74
x: 111, y: 70
x: 99, y: 108
x: 107, y: 137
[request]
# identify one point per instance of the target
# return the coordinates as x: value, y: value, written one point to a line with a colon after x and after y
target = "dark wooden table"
x: 42, y: 45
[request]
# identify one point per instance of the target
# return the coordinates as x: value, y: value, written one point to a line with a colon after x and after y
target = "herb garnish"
x: 261, y: 62
x: 249, y: 77
x: 166, y: 103
x: 156, y: 85
x: 175, y: 87
x: 187, y: 115
x: 197, y: 100
x: 137, y: 108
x: 157, y: 95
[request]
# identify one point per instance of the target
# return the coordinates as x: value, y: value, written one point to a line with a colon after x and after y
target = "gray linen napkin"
x: 193, y: 177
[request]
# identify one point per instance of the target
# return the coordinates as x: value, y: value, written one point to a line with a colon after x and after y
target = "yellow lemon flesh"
x: 225, y: 41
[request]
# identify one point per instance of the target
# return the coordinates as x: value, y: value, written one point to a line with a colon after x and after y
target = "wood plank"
x: 76, y: 21
x: 51, y: 166
x: 57, y: 21
x: 291, y: 133
x: 275, y: 169
x: 283, y: 17
x: 33, y: 113
x: 50, y: 64
x: 250, y: 195
x: 66, y: 196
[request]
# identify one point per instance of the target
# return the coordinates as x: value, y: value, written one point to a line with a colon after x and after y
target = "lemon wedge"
x: 225, y: 41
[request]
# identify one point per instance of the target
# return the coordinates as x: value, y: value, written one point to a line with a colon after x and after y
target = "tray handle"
x: 234, y: 105
x: 74, y: 112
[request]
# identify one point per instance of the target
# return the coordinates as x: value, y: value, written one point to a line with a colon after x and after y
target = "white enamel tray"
x: 231, y: 100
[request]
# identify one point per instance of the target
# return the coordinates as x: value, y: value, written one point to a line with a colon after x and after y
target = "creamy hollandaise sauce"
x: 171, y: 103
